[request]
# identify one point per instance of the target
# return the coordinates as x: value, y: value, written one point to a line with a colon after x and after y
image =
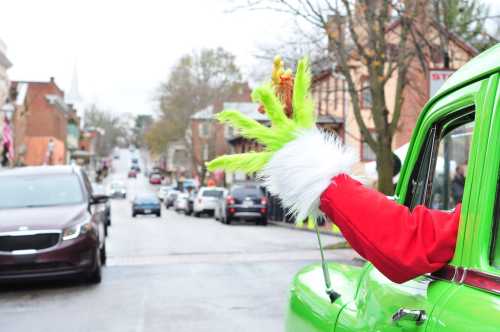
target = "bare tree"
x: 357, y: 33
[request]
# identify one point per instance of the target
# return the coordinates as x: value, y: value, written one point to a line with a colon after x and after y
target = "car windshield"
x: 247, y: 191
x: 146, y: 199
x: 38, y: 191
x: 212, y: 193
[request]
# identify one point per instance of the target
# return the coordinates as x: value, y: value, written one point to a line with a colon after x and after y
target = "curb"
x: 303, y: 229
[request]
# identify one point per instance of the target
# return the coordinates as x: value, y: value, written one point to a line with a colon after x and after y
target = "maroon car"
x: 50, y: 226
x: 155, y: 178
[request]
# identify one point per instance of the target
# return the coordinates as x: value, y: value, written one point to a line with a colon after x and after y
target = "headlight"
x: 75, y: 231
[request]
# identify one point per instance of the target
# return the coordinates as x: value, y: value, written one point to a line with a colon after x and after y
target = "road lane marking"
x: 343, y: 256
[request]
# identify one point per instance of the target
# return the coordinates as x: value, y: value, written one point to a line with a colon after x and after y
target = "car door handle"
x: 410, y: 315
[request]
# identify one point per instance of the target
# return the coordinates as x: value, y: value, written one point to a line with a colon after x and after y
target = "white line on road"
x: 339, y: 255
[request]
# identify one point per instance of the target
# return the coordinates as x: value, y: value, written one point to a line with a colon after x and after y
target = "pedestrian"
x: 458, y: 184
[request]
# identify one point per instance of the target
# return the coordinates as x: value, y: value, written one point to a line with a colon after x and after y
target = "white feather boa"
x: 300, y: 171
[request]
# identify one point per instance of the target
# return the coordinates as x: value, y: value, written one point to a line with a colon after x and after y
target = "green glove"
x: 282, y: 130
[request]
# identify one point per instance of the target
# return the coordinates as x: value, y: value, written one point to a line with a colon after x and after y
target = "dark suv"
x: 50, y: 225
x: 245, y: 201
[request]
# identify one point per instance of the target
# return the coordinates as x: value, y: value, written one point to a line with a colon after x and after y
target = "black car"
x: 104, y: 209
x: 146, y: 204
x: 50, y: 225
x: 245, y: 201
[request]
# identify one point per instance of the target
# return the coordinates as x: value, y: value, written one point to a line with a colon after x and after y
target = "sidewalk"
x: 326, y: 229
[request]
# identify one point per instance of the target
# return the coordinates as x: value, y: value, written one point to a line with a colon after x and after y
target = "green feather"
x: 303, y: 107
x: 273, y: 139
x: 283, y: 130
x: 265, y: 95
x: 249, y: 162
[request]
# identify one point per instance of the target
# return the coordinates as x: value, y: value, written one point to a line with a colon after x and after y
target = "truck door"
x: 474, y: 303
x: 436, y: 175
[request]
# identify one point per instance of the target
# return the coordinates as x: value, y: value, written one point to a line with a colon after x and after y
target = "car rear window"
x: 212, y: 193
x: 147, y: 200
x: 247, y: 191
x: 40, y: 191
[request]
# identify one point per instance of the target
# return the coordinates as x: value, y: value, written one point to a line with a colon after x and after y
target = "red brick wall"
x: 40, y: 121
x: 44, y: 119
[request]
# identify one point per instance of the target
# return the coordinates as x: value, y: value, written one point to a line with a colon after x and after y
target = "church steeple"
x: 73, y: 96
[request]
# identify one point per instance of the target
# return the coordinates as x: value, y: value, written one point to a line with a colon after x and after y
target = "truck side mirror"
x: 397, y: 164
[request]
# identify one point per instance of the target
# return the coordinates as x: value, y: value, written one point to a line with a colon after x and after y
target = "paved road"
x: 174, y: 273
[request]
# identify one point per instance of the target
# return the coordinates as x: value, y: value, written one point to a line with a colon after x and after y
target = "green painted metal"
x: 309, y: 307
x: 476, y: 69
x: 368, y: 300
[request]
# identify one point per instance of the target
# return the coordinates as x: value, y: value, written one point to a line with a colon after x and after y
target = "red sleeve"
x: 400, y: 243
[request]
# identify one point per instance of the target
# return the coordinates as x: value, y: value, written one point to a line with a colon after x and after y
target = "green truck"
x: 458, y: 129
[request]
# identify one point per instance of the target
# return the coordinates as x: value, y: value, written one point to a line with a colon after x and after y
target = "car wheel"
x: 133, y: 215
x: 228, y: 220
x: 262, y: 221
x: 105, y: 229
x: 196, y: 214
x: 95, y: 276
x: 158, y: 214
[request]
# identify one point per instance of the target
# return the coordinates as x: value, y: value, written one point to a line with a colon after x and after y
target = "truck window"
x: 495, y: 248
x: 439, y: 178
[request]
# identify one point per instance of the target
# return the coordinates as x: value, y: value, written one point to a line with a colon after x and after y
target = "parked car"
x: 50, y: 225
x: 117, y: 189
x: 163, y: 191
x: 132, y: 173
x: 245, y: 201
x: 146, y: 204
x: 463, y: 119
x: 155, y: 179
x: 181, y: 202
x: 171, y: 197
x: 205, y: 200
x: 103, y: 209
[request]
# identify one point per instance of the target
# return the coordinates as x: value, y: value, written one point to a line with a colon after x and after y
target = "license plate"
x: 147, y: 211
x: 247, y: 203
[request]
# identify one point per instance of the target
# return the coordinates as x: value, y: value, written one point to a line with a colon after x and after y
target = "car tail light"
x: 230, y: 200
x: 263, y: 201
x: 263, y: 210
x: 232, y: 210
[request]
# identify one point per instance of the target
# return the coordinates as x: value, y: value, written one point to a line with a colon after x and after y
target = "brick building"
x: 330, y: 94
x: 209, y: 138
x: 40, y: 122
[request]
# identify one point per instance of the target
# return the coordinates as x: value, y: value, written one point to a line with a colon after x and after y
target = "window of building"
x: 439, y: 178
x: 205, y: 152
x: 366, y: 95
x: 229, y: 131
x: 367, y: 153
x: 204, y: 129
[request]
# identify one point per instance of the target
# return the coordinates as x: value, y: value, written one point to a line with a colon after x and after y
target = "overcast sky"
x: 123, y: 49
